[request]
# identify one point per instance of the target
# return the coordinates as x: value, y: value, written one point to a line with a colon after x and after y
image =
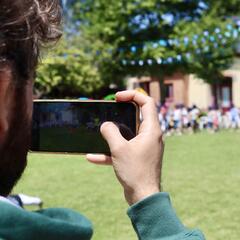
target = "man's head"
x: 25, y: 27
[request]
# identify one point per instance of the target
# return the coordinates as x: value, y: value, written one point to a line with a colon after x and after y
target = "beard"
x: 13, y: 152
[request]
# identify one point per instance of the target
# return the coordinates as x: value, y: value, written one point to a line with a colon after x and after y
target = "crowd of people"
x: 179, y: 119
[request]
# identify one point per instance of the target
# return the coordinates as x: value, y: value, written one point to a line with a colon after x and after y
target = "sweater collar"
x: 3, y: 199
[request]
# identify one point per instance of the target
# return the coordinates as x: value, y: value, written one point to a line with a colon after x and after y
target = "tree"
x: 71, y: 69
x: 159, y: 37
x: 67, y: 72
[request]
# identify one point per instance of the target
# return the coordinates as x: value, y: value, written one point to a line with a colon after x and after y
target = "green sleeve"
x: 154, y: 218
x: 48, y: 224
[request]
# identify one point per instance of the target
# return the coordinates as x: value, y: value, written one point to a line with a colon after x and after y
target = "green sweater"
x: 152, y: 218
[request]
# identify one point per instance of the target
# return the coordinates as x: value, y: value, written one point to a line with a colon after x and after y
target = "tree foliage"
x: 67, y: 71
x: 130, y: 31
x: 107, y: 40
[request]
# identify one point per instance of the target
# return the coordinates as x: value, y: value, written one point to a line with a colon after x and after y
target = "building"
x: 190, y: 90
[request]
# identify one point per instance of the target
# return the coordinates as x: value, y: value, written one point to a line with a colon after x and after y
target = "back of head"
x: 26, y: 26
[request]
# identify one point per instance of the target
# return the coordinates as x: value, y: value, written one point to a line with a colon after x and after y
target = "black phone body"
x: 62, y: 126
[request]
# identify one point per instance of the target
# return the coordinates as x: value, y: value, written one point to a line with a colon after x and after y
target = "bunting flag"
x: 214, y: 41
x: 230, y: 32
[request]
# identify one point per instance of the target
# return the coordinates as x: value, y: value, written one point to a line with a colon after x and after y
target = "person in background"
x: 226, y: 120
x: 25, y: 27
x: 185, y: 119
x: 210, y: 117
x: 234, y: 116
x: 194, y: 114
x: 177, y: 119
x: 162, y: 118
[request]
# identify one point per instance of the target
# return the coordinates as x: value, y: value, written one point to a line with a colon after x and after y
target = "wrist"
x: 134, y: 196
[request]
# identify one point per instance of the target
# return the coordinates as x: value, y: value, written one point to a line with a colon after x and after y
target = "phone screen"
x: 74, y: 127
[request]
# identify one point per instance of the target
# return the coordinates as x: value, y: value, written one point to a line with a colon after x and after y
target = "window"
x: 226, y: 97
x: 169, y: 91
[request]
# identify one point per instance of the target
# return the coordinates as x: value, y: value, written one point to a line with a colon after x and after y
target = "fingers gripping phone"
x: 74, y: 126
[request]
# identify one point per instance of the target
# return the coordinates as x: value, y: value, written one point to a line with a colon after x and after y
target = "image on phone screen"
x: 74, y: 127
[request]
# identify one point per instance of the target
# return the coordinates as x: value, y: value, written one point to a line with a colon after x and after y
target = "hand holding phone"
x: 138, y: 162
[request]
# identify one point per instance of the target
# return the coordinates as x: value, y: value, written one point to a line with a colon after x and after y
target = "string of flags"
x: 214, y: 41
x: 231, y: 32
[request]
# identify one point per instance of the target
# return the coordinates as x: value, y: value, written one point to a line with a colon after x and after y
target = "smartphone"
x: 62, y: 126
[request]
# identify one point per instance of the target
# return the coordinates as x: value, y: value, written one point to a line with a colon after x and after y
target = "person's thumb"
x: 111, y: 134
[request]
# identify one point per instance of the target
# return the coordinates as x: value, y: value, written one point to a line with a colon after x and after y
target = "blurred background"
x: 178, y: 51
x: 183, y: 53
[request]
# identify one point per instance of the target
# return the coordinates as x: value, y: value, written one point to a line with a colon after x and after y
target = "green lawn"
x: 202, y: 173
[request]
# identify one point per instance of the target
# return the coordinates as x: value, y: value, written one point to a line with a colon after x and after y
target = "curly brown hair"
x: 25, y: 27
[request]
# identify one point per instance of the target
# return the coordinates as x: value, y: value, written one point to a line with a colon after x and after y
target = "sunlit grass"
x: 202, y: 173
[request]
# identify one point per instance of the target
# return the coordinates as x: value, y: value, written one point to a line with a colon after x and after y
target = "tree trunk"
x: 215, y: 89
x: 160, y: 78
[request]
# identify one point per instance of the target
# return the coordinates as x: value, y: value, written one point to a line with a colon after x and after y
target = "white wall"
x: 236, y: 89
x: 199, y: 93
